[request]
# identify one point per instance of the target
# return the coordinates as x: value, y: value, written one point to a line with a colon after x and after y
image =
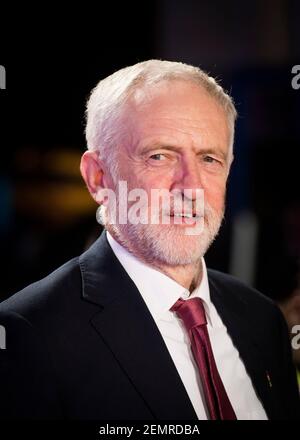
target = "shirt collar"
x: 159, y: 291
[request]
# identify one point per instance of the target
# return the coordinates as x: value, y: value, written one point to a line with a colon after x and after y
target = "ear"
x: 92, y: 171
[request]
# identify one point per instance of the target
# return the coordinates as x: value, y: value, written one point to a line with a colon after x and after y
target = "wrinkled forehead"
x: 174, y: 107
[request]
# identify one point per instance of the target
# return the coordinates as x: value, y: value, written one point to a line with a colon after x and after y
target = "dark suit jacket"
x: 82, y: 344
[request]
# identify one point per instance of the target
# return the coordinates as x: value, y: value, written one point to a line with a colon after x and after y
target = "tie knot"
x: 190, y: 311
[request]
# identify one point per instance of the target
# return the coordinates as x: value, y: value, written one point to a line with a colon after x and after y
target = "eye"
x: 210, y: 159
x: 215, y: 163
x: 212, y: 164
x: 157, y: 156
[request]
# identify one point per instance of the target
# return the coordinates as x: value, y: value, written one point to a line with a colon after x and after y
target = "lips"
x: 185, y: 215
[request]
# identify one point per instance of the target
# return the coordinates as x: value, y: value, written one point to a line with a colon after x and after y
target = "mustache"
x: 184, y: 206
x: 205, y: 210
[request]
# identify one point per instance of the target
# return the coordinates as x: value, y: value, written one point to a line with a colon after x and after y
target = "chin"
x: 168, y: 244
x: 182, y: 250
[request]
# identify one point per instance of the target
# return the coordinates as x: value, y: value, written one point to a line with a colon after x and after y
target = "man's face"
x: 178, y: 139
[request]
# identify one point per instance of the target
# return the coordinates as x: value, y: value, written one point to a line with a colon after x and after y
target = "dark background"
x: 53, y: 58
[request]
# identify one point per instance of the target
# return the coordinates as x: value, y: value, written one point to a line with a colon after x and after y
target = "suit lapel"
x: 126, y: 326
x: 245, y: 339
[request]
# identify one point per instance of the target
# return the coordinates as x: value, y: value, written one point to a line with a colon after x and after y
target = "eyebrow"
x: 179, y: 149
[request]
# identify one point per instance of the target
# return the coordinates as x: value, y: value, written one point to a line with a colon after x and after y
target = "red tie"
x: 193, y: 316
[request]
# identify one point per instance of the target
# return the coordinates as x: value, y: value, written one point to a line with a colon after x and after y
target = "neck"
x: 189, y: 276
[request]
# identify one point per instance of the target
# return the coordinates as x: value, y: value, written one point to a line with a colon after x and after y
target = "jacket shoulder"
x: 53, y: 289
x: 242, y: 292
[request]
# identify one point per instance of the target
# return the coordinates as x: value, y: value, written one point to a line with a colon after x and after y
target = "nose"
x: 188, y: 176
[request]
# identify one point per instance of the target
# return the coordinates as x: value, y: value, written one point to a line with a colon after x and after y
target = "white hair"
x: 104, y: 129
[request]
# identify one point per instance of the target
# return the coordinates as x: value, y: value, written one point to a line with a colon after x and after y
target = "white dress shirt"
x: 160, y: 292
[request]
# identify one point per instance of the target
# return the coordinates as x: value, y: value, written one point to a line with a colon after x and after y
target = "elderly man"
x: 137, y: 327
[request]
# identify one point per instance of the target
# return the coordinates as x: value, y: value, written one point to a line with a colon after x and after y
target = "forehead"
x: 180, y: 110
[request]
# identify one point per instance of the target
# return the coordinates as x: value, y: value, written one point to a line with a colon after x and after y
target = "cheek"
x: 158, y: 180
x: 214, y: 194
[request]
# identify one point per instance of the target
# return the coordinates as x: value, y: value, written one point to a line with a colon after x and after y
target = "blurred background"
x: 53, y: 58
